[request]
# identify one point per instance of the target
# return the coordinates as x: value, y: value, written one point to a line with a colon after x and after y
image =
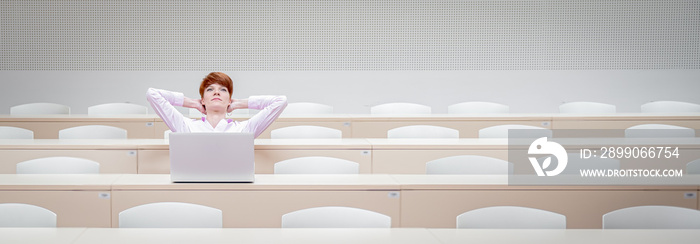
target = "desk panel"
x: 77, y: 200
x: 111, y: 161
x: 49, y: 129
x: 262, y: 204
x: 377, y: 128
x: 413, y: 161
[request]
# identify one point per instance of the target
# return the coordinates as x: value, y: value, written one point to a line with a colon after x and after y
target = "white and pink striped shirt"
x: 164, y: 102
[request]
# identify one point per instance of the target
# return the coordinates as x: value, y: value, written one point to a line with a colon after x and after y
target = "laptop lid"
x: 212, y: 157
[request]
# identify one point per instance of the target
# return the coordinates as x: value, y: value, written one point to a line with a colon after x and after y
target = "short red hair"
x: 216, y: 78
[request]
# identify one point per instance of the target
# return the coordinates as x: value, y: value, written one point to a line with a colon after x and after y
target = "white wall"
x: 356, y: 91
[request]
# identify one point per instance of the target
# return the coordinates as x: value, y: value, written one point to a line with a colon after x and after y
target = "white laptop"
x: 212, y: 157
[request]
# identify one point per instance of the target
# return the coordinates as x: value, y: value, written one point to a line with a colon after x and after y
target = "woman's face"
x: 216, y: 97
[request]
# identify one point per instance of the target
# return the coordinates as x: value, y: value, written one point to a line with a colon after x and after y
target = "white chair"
x: 469, y: 164
x: 306, y: 131
x: 10, y: 132
x: 422, y: 131
x: 576, y: 164
x: 511, y: 217
x: 652, y: 217
x: 693, y: 167
x: 39, y: 108
x: 317, y: 165
x: 400, y: 108
x: 92, y: 132
x: 501, y: 131
x: 658, y: 130
x: 670, y: 107
x: 587, y: 108
x: 478, y: 108
x: 25, y: 215
x: 307, y: 108
x: 166, y: 134
x: 171, y: 215
x: 58, y: 165
x: 117, y: 108
x: 335, y: 217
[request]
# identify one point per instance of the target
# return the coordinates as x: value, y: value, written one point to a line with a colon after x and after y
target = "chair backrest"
x: 670, y: 107
x: 478, y: 108
x: 166, y: 134
x: 306, y: 131
x: 400, y: 108
x: 92, y: 132
x: 10, y: 132
x: 422, y: 131
x: 307, y: 108
x: 317, y: 165
x: 693, y: 167
x: 171, y: 215
x: 511, y: 217
x: 469, y: 164
x: 117, y: 108
x: 25, y: 215
x: 58, y: 165
x: 587, y: 108
x: 658, y: 130
x: 652, y: 217
x: 576, y: 163
x: 501, y: 131
x: 335, y: 217
x: 39, y: 108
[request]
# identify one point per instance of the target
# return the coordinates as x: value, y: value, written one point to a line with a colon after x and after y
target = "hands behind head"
x: 237, y: 104
x: 200, y: 107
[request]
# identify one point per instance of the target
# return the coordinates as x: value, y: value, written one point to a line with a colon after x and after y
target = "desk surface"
x: 361, y: 117
x: 365, y: 236
x: 40, y: 235
x: 346, y: 143
x: 263, y: 182
x: 304, y: 182
x: 450, y: 236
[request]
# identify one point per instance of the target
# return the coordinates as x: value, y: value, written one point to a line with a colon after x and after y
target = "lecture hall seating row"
x: 363, y: 126
x: 412, y: 201
x: 373, y: 156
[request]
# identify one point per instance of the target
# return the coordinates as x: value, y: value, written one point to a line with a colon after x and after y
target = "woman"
x: 216, y: 91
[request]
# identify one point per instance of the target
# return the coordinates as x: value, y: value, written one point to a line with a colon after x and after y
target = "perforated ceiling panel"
x: 349, y: 35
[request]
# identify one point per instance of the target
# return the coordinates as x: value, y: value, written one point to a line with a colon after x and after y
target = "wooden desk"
x: 256, y: 235
x: 434, y: 201
x: 376, y: 126
x: 621, y: 121
x: 47, y: 126
x: 262, y: 204
x: 40, y: 235
x: 155, y: 158
x: 114, y: 156
x: 77, y: 200
x: 454, y: 236
x: 408, y: 156
x: 375, y: 155
x: 363, y: 125
x: 425, y: 201
x: 341, y: 235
